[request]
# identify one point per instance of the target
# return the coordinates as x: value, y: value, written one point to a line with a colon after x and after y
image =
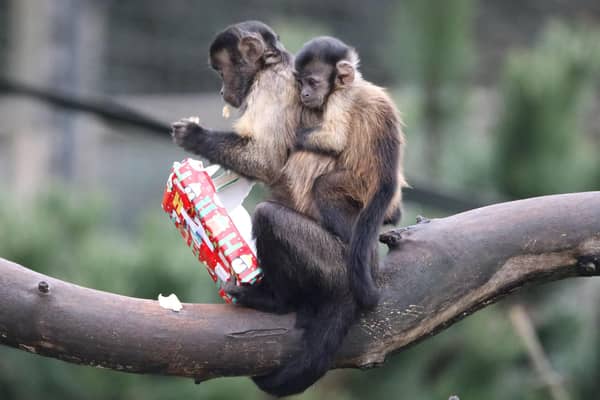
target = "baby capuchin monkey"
x: 363, y: 130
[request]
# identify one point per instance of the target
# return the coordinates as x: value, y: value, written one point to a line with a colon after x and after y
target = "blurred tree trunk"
x: 435, y: 50
x: 433, y: 122
x: 31, y: 58
x: 90, y: 49
x: 54, y: 44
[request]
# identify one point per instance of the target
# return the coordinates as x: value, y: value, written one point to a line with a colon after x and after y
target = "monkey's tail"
x: 362, y: 249
x: 324, y: 332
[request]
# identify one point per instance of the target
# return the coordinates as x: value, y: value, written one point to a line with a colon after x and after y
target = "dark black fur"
x: 305, y: 266
x: 305, y: 271
x: 363, y: 245
x: 227, y: 149
x: 238, y: 80
x: 327, y: 49
x: 337, y: 211
x: 228, y: 39
x: 395, y: 218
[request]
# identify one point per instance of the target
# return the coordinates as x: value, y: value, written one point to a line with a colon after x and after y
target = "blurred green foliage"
x: 434, y: 41
x: 297, y: 31
x: 434, y: 50
x: 542, y: 146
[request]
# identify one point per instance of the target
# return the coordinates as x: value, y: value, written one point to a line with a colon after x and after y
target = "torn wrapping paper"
x: 170, y: 302
x: 204, y: 219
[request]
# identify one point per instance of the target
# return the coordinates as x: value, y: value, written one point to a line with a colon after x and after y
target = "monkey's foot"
x: 302, y: 135
x: 394, y: 237
x: 256, y: 297
x: 233, y: 290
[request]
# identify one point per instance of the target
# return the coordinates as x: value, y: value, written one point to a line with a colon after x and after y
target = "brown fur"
x: 363, y: 130
x: 271, y: 115
x: 298, y: 177
x: 350, y: 126
x: 354, y: 123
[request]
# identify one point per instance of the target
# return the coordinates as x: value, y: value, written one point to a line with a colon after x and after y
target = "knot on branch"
x: 588, y: 263
x: 394, y: 237
x: 43, y: 287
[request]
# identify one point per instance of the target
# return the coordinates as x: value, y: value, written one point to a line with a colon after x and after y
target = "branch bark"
x: 435, y: 274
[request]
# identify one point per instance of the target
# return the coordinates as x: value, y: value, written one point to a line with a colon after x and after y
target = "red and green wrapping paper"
x: 191, y: 201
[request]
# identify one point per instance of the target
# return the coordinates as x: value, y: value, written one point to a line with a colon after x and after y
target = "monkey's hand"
x: 186, y: 131
x: 226, y: 148
x: 302, y: 138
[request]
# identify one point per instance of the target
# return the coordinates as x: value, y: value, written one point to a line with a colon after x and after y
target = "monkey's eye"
x: 312, y: 82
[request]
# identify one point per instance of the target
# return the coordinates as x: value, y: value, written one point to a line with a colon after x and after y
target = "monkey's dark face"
x: 315, y: 80
x: 236, y: 75
x: 239, y: 53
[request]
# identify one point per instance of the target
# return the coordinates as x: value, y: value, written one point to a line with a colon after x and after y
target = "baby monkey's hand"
x: 302, y: 135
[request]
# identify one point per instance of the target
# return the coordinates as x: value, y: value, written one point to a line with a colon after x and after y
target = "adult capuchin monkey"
x: 362, y: 129
x: 305, y: 266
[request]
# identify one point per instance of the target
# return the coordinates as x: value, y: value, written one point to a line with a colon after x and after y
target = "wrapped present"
x: 203, y: 219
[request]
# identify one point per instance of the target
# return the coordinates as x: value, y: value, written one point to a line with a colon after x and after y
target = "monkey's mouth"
x: 233, y: 101
x: 311, y: 103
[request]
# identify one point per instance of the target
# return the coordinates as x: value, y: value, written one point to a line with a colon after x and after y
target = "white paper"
x: 242, y: 221
x: 232, y: 196
x: 171, y: 302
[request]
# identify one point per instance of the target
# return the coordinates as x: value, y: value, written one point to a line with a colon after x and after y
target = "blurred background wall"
x: 500, y: 100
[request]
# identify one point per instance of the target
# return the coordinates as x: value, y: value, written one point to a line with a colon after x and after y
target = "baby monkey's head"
x: 323, y: 65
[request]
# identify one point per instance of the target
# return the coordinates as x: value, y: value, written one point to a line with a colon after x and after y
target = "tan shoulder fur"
x: 271, y: 113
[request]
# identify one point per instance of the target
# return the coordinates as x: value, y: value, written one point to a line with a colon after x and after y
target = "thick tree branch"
x: 435, y: 274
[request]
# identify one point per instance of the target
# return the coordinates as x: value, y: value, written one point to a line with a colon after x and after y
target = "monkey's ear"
x: 251, y: 47
x: 345, y: 73
x: 272, y: 57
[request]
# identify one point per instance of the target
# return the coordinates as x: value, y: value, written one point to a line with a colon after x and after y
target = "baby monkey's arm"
x: 324, y: 139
